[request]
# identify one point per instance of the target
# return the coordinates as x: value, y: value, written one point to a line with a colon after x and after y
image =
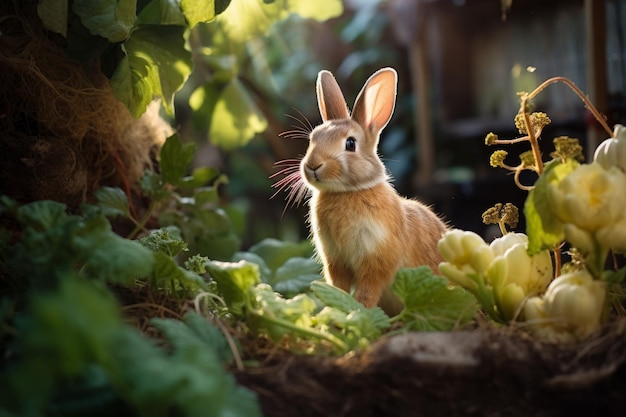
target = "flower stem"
x: 578, y: 92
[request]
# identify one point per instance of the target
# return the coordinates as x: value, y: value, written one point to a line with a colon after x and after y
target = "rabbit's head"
x: 342, y: 154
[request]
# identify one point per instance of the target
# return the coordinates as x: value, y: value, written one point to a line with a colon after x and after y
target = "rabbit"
x: 362, y: 229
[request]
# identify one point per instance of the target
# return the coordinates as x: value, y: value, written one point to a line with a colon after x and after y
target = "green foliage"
x: 235, y: 118
x: 156, y: 64
x: 430, y: 303
x: 193, y: 207
x: 112, y: 20
x: 53, y: 243
x: 543, y: 229
x: 330, y: 319
x: 288, y: 267
x: 143, y: 47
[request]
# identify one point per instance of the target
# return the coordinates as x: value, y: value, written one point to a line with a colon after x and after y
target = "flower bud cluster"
x: 501, y: 275
x: 570, y: 310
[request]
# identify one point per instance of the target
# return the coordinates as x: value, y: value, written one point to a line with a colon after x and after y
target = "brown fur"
x: 363, y: 230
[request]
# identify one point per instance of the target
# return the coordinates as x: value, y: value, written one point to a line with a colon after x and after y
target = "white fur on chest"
x: 350, y: 244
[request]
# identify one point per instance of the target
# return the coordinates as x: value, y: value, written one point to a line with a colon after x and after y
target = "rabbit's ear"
x: 330, y: 98
x: 374, y: 105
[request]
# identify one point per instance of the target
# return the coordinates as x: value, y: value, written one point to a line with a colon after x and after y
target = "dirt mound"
x: 467, y: 373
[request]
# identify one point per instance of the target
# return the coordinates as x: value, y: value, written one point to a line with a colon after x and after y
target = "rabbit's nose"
x: 314, y: 168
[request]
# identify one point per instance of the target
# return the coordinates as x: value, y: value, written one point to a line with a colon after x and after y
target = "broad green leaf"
x: 544, y: 230
x: 236, y: 119
x: 264, y: 271
x: 108, y: 255
x: 276, y: 252
x: 295, y: 276
x: 156, y: 63
x: 42, y: 215
x: 202, y: 11
x: 430, y: 303
x: 194, y: 329
x: 60, y: 326
x: 297, y: 310
x: 111, y: 19
x: 244, y: 20
x: 162, y: 12
x: 152, y: 184
x: 113, y: 201
x: 175, y: 159
x: 235, y: 280
x: 195, y: 384
x: 346, y: 318
x: 53, y: 14
x: 334, y: 297
x: 247, y: 19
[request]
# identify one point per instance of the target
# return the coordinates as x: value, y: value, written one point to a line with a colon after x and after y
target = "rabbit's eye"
x: 350, y: 144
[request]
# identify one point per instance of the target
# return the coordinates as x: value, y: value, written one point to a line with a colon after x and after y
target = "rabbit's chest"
x: 348, y: 236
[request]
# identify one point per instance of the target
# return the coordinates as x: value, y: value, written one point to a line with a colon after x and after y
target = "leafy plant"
x: 149, y: 48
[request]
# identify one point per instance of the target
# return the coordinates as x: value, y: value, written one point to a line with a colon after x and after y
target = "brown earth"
x: 484, y: 372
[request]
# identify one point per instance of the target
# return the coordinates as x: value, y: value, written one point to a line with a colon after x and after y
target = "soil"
x: 484, y: 372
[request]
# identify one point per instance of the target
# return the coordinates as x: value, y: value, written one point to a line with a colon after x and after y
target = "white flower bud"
x: 576, y: 300
x: 515, y: 275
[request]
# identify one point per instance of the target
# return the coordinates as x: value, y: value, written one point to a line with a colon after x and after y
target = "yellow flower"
x: 465, y: 253
x: 591, y: 203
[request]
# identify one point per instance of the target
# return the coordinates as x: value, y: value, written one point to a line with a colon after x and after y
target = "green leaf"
x: 156, y: 63
x: 168, y: 275
x: 335, y: 297
x: 277, y: 317
x: 194, y: 329
x: 56, y: 341
x: 235, y: 280
x: 53, y: 14
x: 152, y: 184
x: 264, y: 272
x: 358, y: 325
x: 175, y: 159
x: 42, y: 215
x: 247, y: 19
x: 430, y: 303
x: 295, y: 276
x: 111, y: 19
x: 161, y: 12
x: 109, y: 256
x: 202, y: 11
x: 236, y: 119
x: 113, y: 201
x: 195, y: 384
x: 59, y: 327
x: 276, y: 252
x: 544, y: 230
